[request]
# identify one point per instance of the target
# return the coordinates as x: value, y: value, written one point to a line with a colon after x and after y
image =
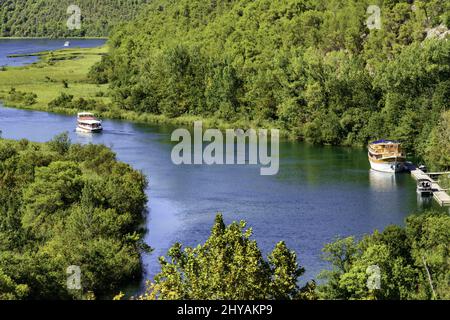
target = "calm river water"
x: 319, y: 193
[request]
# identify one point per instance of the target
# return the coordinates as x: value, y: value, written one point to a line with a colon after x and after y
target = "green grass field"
x: 45, y: 78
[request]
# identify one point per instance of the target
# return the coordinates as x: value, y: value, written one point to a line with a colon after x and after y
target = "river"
x: 24, y: 46
x: 320, y: 192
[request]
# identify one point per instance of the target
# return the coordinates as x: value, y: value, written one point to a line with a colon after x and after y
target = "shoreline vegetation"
x: 46, y: 77
x: 62, y: 205
x: 71, y: 67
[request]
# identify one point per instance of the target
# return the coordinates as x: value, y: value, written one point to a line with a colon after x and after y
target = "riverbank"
x: 66, y: 71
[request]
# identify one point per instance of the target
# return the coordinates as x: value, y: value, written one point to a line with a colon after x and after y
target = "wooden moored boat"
x: 387, y: 156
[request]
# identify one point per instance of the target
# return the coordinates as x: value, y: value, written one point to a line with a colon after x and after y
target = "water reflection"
x: 84, y: 137
x: 424, y: 202
x: 382, y: 181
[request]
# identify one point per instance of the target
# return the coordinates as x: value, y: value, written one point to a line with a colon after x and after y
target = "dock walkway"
x: 439, y: 194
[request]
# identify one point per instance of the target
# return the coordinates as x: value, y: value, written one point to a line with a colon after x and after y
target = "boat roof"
x: 385, y: 142
x: 85, y: 114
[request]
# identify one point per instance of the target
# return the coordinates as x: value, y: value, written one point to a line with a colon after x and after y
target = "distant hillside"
x: 48, y: 18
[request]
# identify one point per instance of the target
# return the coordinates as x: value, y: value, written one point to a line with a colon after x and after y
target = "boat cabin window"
x: 93, y: 125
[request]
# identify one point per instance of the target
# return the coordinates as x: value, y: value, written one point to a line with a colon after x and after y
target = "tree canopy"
x: 310, y: 67
x: 63, y: 205
x: 228, y: 266
x: 413, y: 262
x: 48, y: 18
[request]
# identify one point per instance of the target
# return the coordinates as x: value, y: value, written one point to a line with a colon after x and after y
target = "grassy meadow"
x: 46, y: 78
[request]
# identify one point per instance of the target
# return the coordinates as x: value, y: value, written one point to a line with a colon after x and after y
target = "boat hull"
x: 387, y: 166
x: 425, y: 193
x: 85, y: 130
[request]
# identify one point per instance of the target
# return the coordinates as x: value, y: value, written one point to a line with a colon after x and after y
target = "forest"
x: 48, y: 18
x: 62, y: 205
x: 312, y: 68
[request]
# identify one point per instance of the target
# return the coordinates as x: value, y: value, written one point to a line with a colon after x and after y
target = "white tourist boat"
x: 67, y: 44
x: 387, y: 156
x: 88, y: 123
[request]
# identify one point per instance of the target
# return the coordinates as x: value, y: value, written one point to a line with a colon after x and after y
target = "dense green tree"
x: 64, y: 204
x: 229, y: 265
x: 437, y: 149
x: 412, y: 262
x: 10, y: 290
x: 48, y: 18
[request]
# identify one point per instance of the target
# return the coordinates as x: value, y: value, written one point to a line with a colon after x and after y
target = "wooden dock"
x: 442, y: 198
x: 439, y: 194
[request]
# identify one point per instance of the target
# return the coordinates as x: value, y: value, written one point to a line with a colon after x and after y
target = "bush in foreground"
x: 230, y: 266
